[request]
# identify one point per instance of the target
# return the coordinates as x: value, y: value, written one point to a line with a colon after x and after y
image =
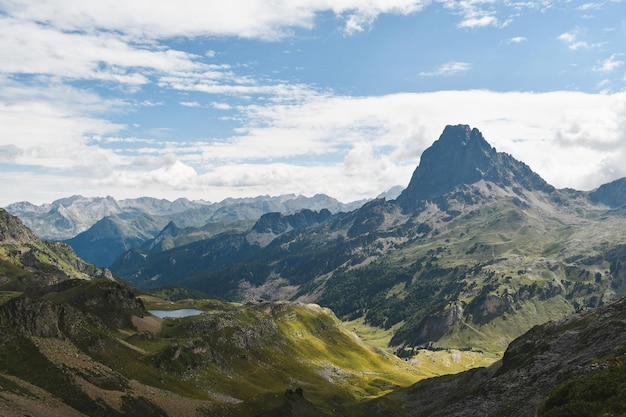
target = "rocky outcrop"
x: 64, y: 309
x: 36, y: 317
x: 277, y: 223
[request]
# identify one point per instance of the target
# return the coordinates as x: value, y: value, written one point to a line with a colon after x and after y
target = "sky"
x: 208, y: 100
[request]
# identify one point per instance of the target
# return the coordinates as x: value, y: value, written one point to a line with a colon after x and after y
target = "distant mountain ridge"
x: 67, y: 217
x: 109, y: 227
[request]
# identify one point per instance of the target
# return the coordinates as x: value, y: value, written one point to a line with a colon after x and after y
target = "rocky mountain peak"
x: 461, y: 156
x: 612, y: 194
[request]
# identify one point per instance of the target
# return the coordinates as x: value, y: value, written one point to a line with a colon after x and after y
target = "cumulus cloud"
x: 8, y: 153
x: 572, y: 39
x: 221, y: 106
x: 474, y: 14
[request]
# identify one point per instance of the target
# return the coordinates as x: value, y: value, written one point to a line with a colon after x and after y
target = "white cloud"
x: 567, y: 37
x: 241, y: 18
x: 590, y: 6
x: 610, y: 64
x: 517, y: 39
x: 446, y: 70
x: 221, y: 106
x: 481, y: 21
x: 347, y: 147
x: 190, y: 104
x: 571, y: 40
x: 474, y: 13
x: 31, y: 48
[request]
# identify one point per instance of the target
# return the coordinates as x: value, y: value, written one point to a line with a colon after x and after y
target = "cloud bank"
x: 347, y: 147
x: 70, y: 71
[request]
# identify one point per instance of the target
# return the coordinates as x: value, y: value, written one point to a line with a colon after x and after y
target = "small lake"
x: 184, y: 312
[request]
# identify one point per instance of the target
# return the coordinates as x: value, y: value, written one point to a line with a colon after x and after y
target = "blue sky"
x: 207, y: 100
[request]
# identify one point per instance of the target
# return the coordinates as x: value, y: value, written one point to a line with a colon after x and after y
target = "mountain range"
x: 85, y: 345
x: 474, y: 252
x: 99, y: 229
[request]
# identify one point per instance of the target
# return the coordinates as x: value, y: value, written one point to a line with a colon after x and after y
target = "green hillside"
x: 92, y: 348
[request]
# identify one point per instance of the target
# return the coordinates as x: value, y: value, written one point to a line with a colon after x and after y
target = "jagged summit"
x: 461, y: 156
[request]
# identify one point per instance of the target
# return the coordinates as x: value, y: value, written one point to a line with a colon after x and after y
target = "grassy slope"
x: 298, y: 346
x: 233, y: 360
x: 540, y: 264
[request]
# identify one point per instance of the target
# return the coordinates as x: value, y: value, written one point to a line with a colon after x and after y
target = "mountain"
x: 612, y: 194
x: 571, y: 367
x: 65, y: 218
x: 462, y: 156
x: 101, y: 229
x: 392, y: 193
x: 28, y: 262
x: 110, y: 236
x: 474, y: 252
x: 172, y: 236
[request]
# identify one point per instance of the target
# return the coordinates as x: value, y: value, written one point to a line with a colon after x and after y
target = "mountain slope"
x: 574, y: 366
x: 471, y: 255
x: 27, y: 261
x: 105, y: 240
x: 89, y: 348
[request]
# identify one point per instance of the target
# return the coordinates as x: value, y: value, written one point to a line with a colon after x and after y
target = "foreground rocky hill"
x: 572, y: 367
x: 474, y: 252
x: 90, y: 348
